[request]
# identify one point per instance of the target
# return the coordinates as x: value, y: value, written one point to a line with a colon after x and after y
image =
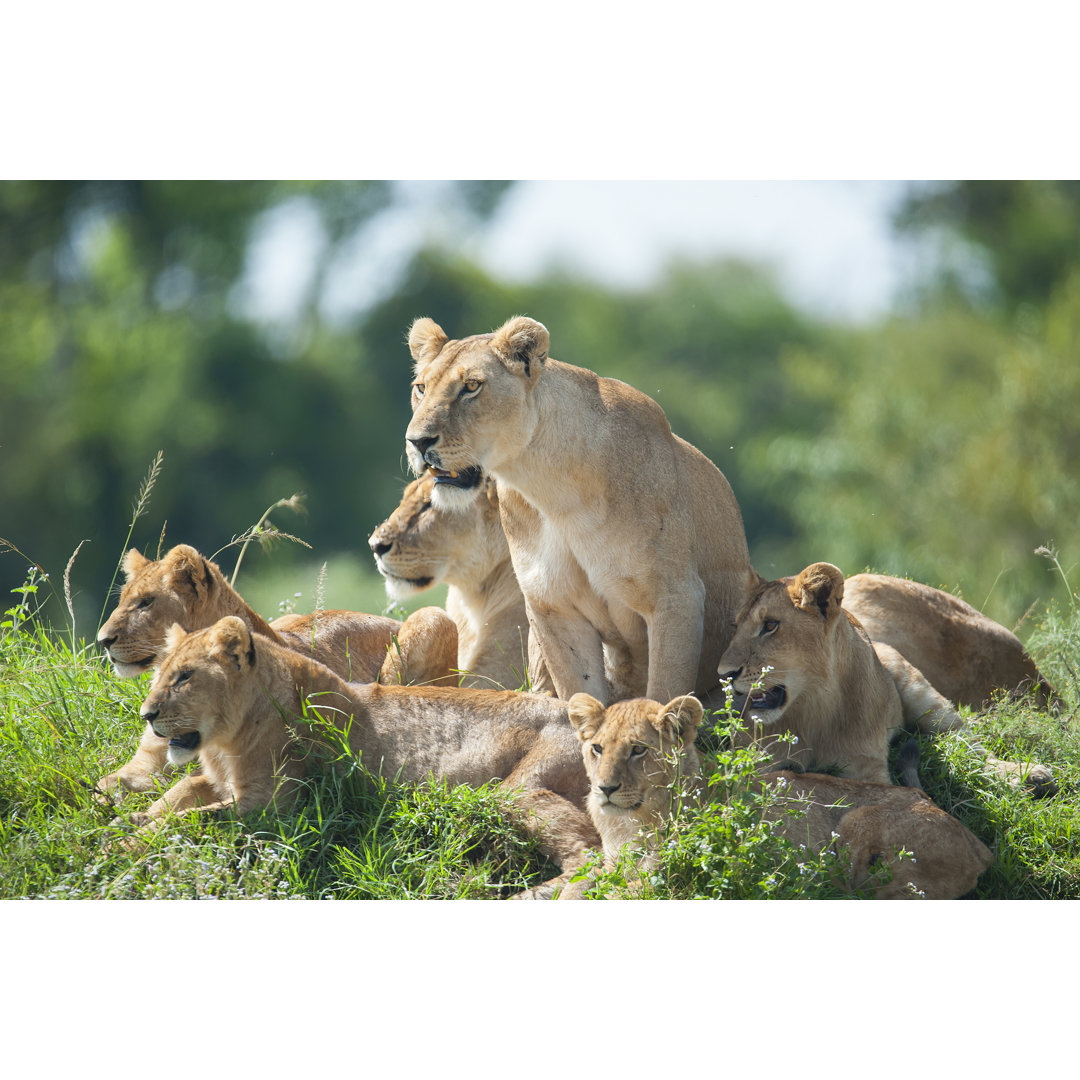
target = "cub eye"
x: 181, y: 677
x: 768, y: 627
x: 597, y: 749
x: 145, y: 602
x: 472, y: 386
x: 418, y: 389
x: 637, y: 751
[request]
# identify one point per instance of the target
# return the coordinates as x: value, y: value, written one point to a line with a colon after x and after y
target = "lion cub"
x: 185, y: 588
x: 636, y: 751
x: 253, y: 710
x: 799, y: 663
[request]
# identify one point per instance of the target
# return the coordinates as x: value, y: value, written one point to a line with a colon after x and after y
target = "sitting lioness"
x: 236, y: 699
x: 184, y: 587
x: 799, y: 663
x: 420, y: 545
x: 635, y: 753
x: 964, y: 655
x: 624, y: 537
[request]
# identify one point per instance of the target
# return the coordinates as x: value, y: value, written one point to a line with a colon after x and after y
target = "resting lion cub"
x: 634, y: 750
x: 420, y: 545
x: 184, y: 587
x: 624, y: 537
x: 236, y: 700
x: 800, y: 663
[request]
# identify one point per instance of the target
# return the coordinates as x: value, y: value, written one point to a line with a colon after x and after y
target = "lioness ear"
x: 679, y: 719
x: 134, y: 561
x: 187, y: 568
x: 586, y: 715
x: 173, y: 636
x: 819, y: 587
x: 426, y: 339
x: 230, y: 637
x: 522, y: 345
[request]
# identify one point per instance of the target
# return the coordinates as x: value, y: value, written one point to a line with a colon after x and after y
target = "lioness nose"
x: 149, y: 715
x: 607, y: 789
x: 105, y: 642
x: 731, y: 674
x: 380, y: 547
x: 424, y: 443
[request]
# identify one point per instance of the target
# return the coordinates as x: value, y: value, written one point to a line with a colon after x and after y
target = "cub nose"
x: 424, y: 443
x: 105, y: 642
x: 607, y: 789
x: 149, y: 715
x: 380, y: 547
x: 731, y: 675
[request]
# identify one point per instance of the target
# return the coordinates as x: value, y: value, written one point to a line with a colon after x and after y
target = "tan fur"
x: 421, y: 545
x: 244, y: 695
x: 844, y: 696
x: 187, y: 589
x: 627, y: 542
x: 966, y: 656
x: 635, y: 753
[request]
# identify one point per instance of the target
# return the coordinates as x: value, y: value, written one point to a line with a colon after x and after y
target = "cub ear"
x: 186, y: 568
x: 586, y: 715
x: 231, y: 638
x: 522, y: 345
x: 679, y: 720
x: 173, y: 636
x: 134, y: 561
x: 426, y: 339
x: 820, y: 588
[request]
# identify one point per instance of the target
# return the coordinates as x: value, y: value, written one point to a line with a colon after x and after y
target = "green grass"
x: 66, y: 720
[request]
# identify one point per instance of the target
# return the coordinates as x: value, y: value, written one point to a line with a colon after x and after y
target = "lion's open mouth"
x: 188, y: 741
x: 761, y: 700
x: 467, y: 478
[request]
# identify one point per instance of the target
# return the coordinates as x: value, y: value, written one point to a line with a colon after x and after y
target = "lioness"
x: 236, y: 700
x: 800, y: 663
x: 965, y: 655
x: 420, y: 545
x: 636, y: 751
x: 621, y: 534
x: 184, y: 587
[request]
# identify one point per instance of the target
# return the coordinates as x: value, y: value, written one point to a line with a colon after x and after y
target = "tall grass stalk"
x: 264, y: 532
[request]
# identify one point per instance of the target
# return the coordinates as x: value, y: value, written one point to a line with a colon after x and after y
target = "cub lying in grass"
x: 636, y: 751
x: 237, y: 700
x: 185, y: 588
x: 799, y: 663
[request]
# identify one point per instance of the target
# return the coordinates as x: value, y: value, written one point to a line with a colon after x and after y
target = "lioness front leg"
x: 572, y: 651
x: 139, y: 774
x: 675, y: 628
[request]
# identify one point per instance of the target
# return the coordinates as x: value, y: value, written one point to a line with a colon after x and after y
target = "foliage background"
x: 940, y: 442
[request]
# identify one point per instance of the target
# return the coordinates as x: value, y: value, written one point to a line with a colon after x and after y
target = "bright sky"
x: 829, y: 241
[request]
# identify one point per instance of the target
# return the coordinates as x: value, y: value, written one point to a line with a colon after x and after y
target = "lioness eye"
x: 637, y: 751
x: 768, y: 627
x: 471, y: 386
x: 146, y: 601
x: 181, y: 677
x: 597, y: 749
x: 419, y: 388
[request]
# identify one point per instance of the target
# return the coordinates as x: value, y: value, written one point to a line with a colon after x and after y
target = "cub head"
x: 198, y: 693
x: 420, y: 544
x: 784, y: 641
x: 471, y: 401
x: 177, y: 588
x: 633, y: 751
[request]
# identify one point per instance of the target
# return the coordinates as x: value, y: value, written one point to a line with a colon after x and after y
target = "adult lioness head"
x: 471, y: 401
x: 633, y: 751
x: 195, y: 697
x: 420, y: 544
x: 158, y: 593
